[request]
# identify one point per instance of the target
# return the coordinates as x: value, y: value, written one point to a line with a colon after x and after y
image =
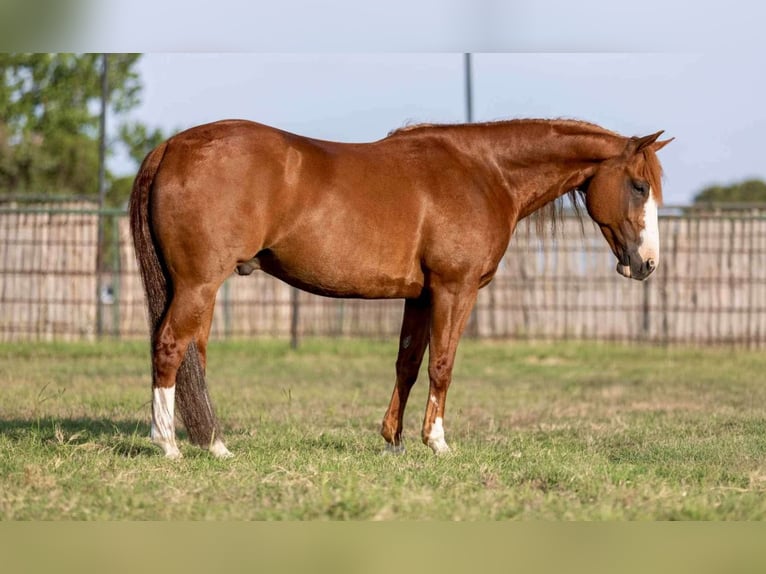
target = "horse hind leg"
x: 413, y: 341
x: 179, y: 327
x: 215, y: 442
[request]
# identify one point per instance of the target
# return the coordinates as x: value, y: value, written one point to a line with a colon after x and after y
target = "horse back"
x: 337, y: 219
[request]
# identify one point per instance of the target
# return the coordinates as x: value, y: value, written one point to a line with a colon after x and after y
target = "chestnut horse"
x: 424, y: 214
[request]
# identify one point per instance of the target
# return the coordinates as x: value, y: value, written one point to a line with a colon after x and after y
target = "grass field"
x: 574, y: 431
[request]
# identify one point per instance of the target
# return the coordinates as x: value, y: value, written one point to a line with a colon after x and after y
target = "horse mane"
x: 412, y: 127
x: 548, y: 220
x: 653, y: 172
x: 563, y: 125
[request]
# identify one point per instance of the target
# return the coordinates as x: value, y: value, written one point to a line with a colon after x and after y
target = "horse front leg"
x: 450, y: 310
x: 413, y: 341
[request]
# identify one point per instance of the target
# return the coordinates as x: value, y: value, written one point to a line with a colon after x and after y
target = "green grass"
x: 573, y: 431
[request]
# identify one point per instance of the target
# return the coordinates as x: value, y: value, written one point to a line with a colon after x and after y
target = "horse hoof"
x: 439, y: 447
x: 169, y: 448
x: 173, y: 454
x: 394, y: 449
x: 219, y: 450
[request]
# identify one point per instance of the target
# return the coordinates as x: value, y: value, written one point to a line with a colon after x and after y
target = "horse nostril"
x: 650, y: 265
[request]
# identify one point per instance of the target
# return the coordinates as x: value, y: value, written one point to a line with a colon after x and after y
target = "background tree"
x: 138, y: 140
x: 748, y: 191
x: 49, y: 114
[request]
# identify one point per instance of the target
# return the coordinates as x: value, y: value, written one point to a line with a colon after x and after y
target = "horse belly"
x: 343, y: 276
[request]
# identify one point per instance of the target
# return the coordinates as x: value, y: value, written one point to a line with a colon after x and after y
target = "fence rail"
x: 710, y: 287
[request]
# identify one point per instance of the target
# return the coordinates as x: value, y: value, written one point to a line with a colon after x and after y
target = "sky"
x: 350, y: 71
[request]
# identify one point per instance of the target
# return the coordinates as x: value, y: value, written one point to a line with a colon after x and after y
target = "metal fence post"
x: 295, y: 308
x: 226, y: 294
x: 646, y: 311
x: 116, y: 275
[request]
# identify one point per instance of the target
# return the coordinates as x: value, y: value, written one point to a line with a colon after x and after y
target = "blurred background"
x: 120, y: 77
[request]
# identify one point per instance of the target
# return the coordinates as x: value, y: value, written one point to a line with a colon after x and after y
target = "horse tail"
x: 152, y: 270
x: 191, y: 389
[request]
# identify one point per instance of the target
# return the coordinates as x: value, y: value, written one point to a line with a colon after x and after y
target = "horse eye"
x: 640, y: 188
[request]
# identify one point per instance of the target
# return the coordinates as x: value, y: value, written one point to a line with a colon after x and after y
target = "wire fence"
x: 710, y: 287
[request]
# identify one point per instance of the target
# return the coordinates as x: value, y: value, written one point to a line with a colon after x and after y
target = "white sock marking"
x: 163, y: 427
x: 436, y: 437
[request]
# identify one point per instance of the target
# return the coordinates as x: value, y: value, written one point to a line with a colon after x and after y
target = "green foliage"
x: 49, y: 119
x: 140, y: 140
x: 118, y: 191
x: 748, y: 191
x: 550, y: 431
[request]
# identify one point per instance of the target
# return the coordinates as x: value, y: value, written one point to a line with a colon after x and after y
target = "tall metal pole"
x: 101, y: 192
x: 472, y: 329
x: 468, y: 88
x: 102, y: 130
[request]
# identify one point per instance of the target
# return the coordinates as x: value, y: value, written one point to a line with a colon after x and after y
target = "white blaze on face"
x: 650, y: 235
x: 163, y: 427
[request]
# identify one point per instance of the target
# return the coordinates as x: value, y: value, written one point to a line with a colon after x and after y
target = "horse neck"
x: 539, y: 161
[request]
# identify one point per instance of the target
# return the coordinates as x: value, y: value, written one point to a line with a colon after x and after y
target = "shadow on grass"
x: 123, y: 437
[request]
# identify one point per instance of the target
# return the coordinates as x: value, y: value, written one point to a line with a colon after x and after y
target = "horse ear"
x: 641, y: 143
x: 657, y: 146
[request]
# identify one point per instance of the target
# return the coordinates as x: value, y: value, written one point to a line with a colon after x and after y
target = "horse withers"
x: 424, y: 215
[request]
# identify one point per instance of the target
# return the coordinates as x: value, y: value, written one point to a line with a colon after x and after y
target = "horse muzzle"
x: 637, y: 268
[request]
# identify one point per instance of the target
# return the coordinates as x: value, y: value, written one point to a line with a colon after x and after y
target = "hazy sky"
x: 346, y: 71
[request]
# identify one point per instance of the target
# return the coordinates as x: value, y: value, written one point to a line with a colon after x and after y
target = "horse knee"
x: 440, y: 372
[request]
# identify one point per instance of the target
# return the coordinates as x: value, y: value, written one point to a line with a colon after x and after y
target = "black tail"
x: 192, y: 397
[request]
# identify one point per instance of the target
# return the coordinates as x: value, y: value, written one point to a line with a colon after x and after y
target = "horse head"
x: 623, y: 197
